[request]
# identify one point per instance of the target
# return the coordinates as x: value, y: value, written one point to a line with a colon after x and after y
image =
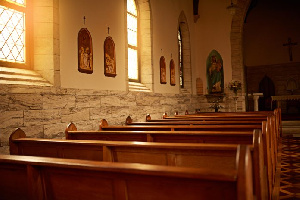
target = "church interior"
x: 229, y: 66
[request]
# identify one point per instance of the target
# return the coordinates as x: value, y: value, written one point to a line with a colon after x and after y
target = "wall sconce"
x: 232, y: 8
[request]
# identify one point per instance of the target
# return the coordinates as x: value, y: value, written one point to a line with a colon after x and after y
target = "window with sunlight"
x: 180, y: 59
x: 132, y: 32
x: 12, y: 31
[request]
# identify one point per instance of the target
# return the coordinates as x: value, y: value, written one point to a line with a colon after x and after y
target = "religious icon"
x: 172, y: 73
x: 85, y: 51
x: 163, y: 70
x: 109, y: 57
x: 214, y: 73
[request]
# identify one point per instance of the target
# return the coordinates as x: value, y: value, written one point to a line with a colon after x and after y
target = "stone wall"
x: 279, y: 74
x: 45, y: 112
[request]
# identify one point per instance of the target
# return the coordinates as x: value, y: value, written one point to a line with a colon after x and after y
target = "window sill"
x: 137, y: 87
x: 18, y: 76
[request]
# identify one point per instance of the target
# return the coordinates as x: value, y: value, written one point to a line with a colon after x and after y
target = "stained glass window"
x: 12, y: 32
x: 180, y: 59
x: 132, y: 30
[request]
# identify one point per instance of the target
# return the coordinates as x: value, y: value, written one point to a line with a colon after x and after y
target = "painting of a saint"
x: 109, y: 57
x: 85, y: 51
x: 214, y: 73
x: 172, y: 73
x: 163, y: 70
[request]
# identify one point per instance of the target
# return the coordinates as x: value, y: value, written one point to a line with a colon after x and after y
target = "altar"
x: 291, y: 103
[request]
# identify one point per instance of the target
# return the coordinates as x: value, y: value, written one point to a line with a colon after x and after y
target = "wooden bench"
x: 27, y: 177
x: 203, y: 127
x: 149, y: 119
x: 217, y: 119
x: 252, y: 138
x: 221, y: 156
x: 270, y: 129
x: 235, y: 115
x: 228, y: 121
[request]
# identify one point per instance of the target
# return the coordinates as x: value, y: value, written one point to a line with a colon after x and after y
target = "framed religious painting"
x: 163, y: 70
x: 172, y: 73
x: 109, y: 57
x: 214, y: 73
x: 85, y: 51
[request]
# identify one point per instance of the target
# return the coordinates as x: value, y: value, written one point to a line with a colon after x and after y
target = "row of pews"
x: 191, y: 156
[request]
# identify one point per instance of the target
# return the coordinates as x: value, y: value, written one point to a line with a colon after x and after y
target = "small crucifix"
x: 290, y: 44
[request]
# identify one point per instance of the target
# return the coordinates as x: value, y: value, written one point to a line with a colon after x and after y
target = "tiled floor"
x: 290, y: 169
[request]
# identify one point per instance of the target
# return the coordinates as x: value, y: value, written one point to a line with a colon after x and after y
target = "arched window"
x: 132, y: 36
x: 184, y: 52
x: 14, y: 46
x: 180, y: 55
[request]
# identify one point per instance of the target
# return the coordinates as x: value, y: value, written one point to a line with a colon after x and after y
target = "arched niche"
x: 214, y: 73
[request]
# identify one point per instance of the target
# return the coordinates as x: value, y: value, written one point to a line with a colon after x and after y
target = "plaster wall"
x: 212, y: 31
x: 99, y: 16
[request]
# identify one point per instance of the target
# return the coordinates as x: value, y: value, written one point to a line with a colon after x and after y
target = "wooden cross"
x: 290, y: 44
x: 108, y: 30
x: 84, y: 20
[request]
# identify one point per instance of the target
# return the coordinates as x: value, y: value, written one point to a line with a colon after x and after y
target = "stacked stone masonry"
x: 44, y: 112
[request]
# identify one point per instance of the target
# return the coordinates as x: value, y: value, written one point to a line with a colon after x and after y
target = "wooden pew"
x: 228, y: 121
x: 216, y: 127
x: 180, y: 154
x: 233, y: 118
x: 27, y: 177
x: 235, y: 115
x: 251, y: 138
x: 225, y: 137
x: 223, y: 115
x: 271, y: 129
x: 221, y: 156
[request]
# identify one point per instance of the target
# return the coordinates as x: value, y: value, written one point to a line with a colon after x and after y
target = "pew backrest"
x: 26, y: 177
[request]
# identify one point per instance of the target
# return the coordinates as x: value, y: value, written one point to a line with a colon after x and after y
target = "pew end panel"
x: 259, y: 167
x: 148, y: 117
x: 128, y: 120
x: 103, y: 123
x: 70, y: 127
x: 244, y: 164
x: 13, y: 148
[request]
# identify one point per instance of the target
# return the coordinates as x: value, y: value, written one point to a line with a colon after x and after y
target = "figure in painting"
x: 163, y: 70
x: 109, y: 57
x: 110, y: 64
x: 85, y: 51
x: 215, y: 73
x: 85, y: 58
x: 172, y: 72
x: 163, y: 75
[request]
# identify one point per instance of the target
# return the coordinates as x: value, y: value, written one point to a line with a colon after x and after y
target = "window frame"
x: 27, y: 10
x: 180, y: 58
x: 137, y: 48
